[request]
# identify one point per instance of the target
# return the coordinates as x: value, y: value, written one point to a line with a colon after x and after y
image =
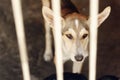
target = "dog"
x: 75, y: 32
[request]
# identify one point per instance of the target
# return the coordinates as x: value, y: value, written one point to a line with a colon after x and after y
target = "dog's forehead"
x: 77, y: 23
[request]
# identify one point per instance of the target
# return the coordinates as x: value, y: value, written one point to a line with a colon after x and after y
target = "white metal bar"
x: 58, y: 48
x: 17, y: 11
x: 93, y: 38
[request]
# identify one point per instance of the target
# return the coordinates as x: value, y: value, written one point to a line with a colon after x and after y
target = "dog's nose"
x: 79, y: 57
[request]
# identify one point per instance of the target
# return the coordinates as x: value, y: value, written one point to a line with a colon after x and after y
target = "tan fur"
x: 75, y: 33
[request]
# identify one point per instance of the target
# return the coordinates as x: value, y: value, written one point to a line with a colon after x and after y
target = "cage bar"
x: 93, y: 38
x: 58, y: 48
x: 18, y: 18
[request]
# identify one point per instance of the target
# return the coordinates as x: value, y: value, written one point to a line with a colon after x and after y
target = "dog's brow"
x: 83, y: 30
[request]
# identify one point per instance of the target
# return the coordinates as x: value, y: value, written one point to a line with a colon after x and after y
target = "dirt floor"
x: 10, y: 68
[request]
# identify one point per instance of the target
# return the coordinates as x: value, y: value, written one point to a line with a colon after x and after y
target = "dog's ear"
x: 102, y: 16
x: 48, y: 16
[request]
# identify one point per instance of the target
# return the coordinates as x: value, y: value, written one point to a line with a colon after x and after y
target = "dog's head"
x: 75, y: 33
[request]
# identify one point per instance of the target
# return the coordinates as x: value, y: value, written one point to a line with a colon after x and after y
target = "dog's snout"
x: 79, y: 57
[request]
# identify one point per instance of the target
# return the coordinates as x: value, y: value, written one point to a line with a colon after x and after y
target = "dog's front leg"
x: 77, y: 67
x: 48, y: 47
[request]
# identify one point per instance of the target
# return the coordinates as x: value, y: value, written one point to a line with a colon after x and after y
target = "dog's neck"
x: 67, y: 7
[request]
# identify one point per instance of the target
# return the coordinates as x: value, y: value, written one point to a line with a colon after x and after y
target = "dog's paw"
x: 48, y: 56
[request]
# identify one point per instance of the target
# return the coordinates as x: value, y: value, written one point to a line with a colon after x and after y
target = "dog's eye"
x: 69, y: 36
x: 84, y: 36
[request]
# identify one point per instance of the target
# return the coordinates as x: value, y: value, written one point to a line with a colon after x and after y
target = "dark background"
x: 108, y: 61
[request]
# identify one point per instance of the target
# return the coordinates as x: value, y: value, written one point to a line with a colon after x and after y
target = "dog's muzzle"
x: 79, y: 57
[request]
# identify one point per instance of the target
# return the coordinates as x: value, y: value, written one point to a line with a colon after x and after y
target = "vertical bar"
x: 58, y: 49
x: 93, y: 38
x: 17, y: 11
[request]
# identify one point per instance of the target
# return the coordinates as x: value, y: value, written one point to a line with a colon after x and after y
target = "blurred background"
x: 108, y: 61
